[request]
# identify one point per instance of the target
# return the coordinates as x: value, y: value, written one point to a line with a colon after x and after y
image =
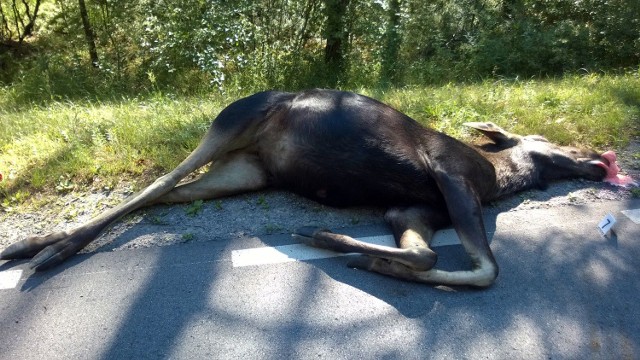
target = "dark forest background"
x: 102, y: 47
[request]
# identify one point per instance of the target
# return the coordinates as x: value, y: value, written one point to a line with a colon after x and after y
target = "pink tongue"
x: 612, y: 171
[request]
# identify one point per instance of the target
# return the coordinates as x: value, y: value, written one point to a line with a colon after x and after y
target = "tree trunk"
x: 88, y: 33
x: 392, y: 45
x: 23, y: 23
x: 308, y: 10
x: 28, y: 28
x: 336, y: 36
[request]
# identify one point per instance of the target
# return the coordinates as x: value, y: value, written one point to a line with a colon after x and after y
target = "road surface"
x: 564, y: 292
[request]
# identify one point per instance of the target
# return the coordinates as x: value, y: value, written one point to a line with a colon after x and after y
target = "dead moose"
x: 344, y: 149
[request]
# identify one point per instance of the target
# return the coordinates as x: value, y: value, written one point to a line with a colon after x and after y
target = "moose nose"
x: 612, y: 163
x: 612, y: 168
x: 610, y: 156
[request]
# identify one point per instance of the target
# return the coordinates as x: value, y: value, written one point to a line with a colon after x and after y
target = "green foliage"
x: 262, y: 202
x: 98, y: 142
x: 187, y: 237
x: 271, y: 228
x: 470, y: 40
x: 591, y: 110
x: 196, y: 46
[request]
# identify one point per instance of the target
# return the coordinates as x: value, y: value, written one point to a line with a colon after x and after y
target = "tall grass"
x: 57, y: 146
x: 597, y: 111
x: 64, y: 145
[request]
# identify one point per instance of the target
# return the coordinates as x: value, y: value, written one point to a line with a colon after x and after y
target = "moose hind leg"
x: 235, y: 174
x: 50, y: 250
x: 467, y: 220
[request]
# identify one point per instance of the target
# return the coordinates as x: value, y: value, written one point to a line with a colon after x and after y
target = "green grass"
x: 60, y: 146
x: 594, y: 111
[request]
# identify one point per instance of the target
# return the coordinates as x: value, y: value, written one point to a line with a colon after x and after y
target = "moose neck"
x: 514, y: 172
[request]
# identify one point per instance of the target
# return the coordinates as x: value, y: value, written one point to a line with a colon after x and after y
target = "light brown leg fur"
x: 413, y: 229
x: 235, y: 174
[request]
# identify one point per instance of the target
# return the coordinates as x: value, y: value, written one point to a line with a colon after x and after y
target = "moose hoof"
x: 49, y: 257
x: 17, y: 250
x: 30, y: 246
x: 50, y: 250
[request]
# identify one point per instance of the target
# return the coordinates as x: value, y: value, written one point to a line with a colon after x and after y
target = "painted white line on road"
x: 297, y: 252
x: 633, y: 214
x: 9, y: 278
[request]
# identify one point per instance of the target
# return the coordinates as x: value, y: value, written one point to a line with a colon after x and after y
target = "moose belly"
x: 348, y: 178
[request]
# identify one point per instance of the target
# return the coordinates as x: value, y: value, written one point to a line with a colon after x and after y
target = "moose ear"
x: 494, y: 132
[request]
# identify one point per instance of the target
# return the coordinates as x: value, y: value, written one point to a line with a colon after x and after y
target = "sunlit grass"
x: 594, y: 111
x: 58, y: 146
x: 98, y: 144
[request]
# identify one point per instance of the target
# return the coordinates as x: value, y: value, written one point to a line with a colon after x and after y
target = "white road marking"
x: 9, y: 278
x: 297, y: 252
x: 633, y: 214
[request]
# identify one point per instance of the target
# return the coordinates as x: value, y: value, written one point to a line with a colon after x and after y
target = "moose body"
x: 344, y: 149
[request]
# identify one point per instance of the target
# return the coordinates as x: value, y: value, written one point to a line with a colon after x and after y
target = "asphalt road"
x: 564, y: 292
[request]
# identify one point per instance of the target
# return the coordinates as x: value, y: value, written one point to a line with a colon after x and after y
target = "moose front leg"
x: 413, y: 228
x: 465, y: 213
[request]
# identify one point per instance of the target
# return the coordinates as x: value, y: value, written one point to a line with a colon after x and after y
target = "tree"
x: 392, y: 44
x: 18, y: 22
x: 88, y: 34
x: 336, y: 36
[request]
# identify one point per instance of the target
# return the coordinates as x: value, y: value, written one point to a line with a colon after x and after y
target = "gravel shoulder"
x: 261, y: 213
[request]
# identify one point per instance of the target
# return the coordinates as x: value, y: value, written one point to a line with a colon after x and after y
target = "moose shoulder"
x: 344, y: 149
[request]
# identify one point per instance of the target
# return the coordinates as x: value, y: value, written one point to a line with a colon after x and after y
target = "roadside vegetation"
x: 61, y: 146
x: 96, y: 94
